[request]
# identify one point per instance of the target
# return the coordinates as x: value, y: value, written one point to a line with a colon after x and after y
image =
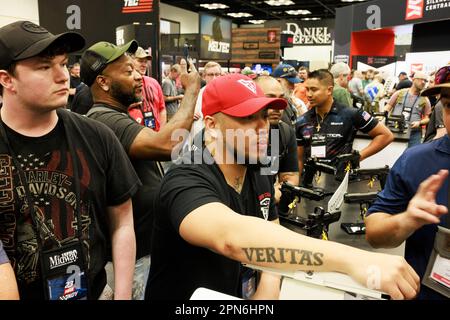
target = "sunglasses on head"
x: 442, y: 75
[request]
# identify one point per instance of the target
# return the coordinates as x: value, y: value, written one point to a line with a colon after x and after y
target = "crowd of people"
x: 92, y: 173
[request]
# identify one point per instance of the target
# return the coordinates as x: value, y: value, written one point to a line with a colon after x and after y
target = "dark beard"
x: 121, y: 96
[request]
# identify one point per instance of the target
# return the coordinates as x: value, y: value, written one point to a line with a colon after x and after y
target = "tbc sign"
x: 414, y: 9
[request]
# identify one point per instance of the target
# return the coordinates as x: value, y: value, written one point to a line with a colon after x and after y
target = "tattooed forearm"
x: 283, y: 255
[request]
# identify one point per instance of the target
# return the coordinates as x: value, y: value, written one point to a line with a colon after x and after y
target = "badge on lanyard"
x: 319, y: 146
x: 149, y: 120
x: 437, y: 276
x: 248, y: 283
x: 64, y: 274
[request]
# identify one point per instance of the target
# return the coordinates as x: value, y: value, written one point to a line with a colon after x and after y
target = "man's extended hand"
x: 423, y: 209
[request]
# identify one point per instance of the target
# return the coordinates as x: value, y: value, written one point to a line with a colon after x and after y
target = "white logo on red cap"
x: 249, y: 84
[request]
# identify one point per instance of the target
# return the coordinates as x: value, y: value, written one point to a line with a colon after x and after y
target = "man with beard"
x: 284, y: 163
x: 216, y: 210
x: 115, y: 84
x: 415, y: 108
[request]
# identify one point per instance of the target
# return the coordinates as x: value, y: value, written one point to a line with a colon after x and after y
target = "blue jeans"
x: 415, y: 138
x: 141, y: 272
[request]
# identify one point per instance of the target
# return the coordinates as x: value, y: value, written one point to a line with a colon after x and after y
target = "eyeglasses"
x: 442, y: 75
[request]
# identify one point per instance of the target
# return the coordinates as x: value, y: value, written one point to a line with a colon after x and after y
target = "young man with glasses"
x: 414, y: 201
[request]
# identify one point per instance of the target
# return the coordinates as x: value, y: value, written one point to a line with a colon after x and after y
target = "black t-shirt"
x: 82, y: 101
x: 48, y: 168
x: 179, y: 268
x: 339, y: 129
x: 150, y: 173
x: 287, y: 160
x: 404, y: 84
x: 436, y: 122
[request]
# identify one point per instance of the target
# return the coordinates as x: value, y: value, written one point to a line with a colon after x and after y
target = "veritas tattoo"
x: 283, y: 255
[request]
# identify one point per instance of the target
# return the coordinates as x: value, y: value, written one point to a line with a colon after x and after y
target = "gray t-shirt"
x: 170, y: 90
x: 356, y: 86
x: 3, y: 257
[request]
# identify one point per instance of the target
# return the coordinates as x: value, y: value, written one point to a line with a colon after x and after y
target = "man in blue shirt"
x: 415, y: 199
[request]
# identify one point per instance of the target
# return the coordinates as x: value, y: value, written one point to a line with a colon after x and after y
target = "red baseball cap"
x: 236, y: 95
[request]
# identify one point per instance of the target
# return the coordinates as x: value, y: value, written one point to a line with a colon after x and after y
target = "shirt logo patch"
x: 249, y: 84
x: 264, y: 204
x: 366, y: 116
x: 337, y: 123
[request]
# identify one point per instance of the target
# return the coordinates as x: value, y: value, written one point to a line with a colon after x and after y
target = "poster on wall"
x: 307, y: 33
x: 215, y: 37
x: 82, y: 16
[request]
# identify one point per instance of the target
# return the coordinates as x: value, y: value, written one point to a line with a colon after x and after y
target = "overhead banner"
x: 388, y: 13
x: 97, y: 20
x: 307, y: 33
x: 215, y: 38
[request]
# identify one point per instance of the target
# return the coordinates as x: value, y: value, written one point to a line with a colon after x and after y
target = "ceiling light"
x: 240, y: 14
x: 298, y: 12
x: 311, y: 19
x: 279, y: 2
x: 214, y: 6
x: 257, y: 21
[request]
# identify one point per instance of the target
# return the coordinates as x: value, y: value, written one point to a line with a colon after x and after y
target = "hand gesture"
x: 192, y: 79
x: 423, y: 209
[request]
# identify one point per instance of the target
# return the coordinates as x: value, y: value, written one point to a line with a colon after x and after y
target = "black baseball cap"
x: 403, y: 73
x: 24, y: 39
x: 97, y: 57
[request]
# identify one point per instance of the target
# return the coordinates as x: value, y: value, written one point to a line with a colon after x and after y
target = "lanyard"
x: 23, y: 182
x: 412, y: 107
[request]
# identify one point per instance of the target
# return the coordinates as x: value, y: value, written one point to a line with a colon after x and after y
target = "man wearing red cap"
x: 216, y: 210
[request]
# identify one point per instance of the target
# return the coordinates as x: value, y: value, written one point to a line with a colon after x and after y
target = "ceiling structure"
x: 259, y: 11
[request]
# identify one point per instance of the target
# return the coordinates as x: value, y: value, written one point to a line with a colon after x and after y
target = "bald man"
x: 285, y: 161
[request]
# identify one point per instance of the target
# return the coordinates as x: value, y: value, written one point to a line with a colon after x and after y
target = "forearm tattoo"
x: 283, y: 255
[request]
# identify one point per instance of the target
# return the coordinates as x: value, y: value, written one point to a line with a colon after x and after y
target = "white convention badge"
x: 319, y: 151
x: 441, y: 271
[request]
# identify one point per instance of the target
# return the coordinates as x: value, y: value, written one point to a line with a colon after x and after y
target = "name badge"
x: 441, y: 271
x: 319, y: 151
x: 64, y: 274
x: 248, y: 283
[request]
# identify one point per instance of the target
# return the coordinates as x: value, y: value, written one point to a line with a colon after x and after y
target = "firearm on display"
x: 371, y: 174
x: 397, y: 123
x: 342, y: 164
x: 365, y: 200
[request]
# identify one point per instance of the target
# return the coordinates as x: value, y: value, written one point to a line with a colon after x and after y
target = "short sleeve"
x: 166, y: 88
x: 183, y: 190
x: 125, y: 128
x: 394, y: 98
x: 427, y: 109
x: 363, y: 121
x: 3, y: 257
x: 439, y: 117
x: 396, y: 194
x: 299, y: 130
x: 289, y: 163
x: 121, y: 178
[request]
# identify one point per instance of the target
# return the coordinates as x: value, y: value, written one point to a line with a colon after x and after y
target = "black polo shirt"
x: 338, y: 129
